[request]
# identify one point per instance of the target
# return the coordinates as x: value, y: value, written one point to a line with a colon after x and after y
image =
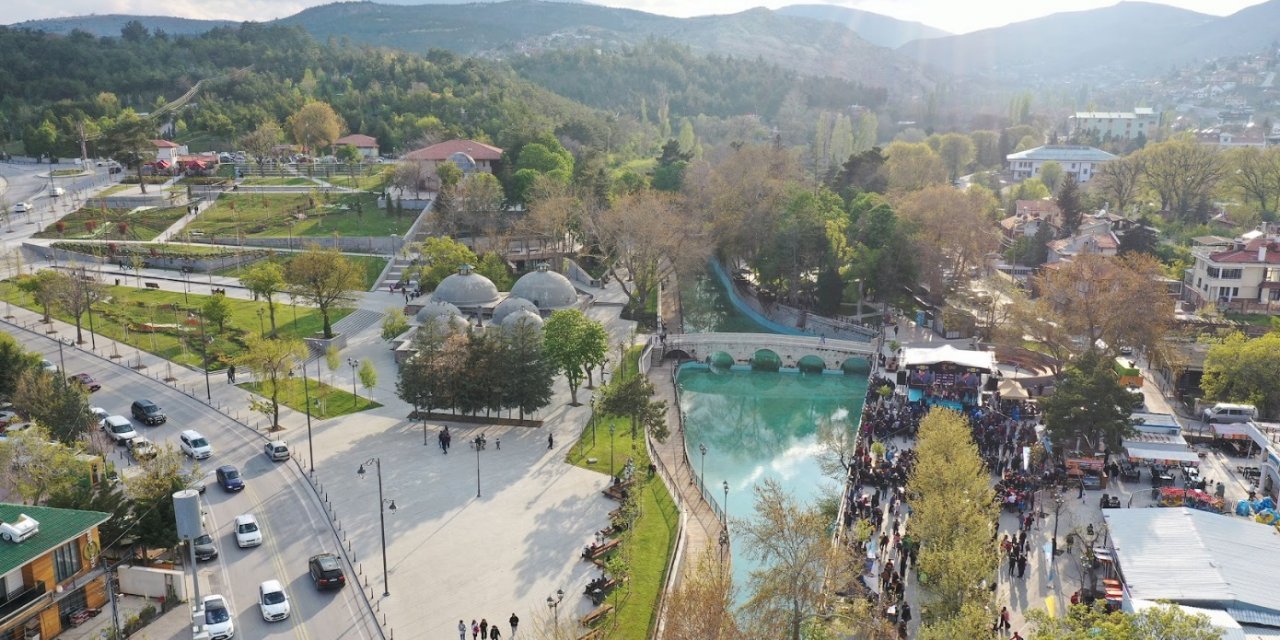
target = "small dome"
x: 434, y: 308
x: 511, y: 305
x: 521, y: 316
x: 466, y: 288
x: 546, y: 289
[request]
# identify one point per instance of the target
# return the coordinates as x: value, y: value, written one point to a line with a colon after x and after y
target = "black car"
x: 326, y: 571
x: 148, y: 413
x: 205, y: 548
x: 229, y: 478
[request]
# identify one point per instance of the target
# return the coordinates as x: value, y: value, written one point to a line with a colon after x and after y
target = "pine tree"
x: 1070, y: 205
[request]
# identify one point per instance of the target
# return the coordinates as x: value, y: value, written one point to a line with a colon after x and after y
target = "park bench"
x: 618, y: 490
x: 599, y: 588
x: 152, y: 285
x: 592, y: 552
x: 596, y: 615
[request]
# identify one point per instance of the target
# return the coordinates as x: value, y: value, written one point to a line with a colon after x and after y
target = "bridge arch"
x: 855, y: 366
x: 766, y: 360
x: 811, y: 364
x: 720, y: 360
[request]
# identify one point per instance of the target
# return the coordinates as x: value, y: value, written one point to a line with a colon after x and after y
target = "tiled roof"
x: 442, y: 151
x: 164, y: 144
x: 1062, y: 153
x: 57, y: 527
x: 357, y: 140
x: 1249, y: 255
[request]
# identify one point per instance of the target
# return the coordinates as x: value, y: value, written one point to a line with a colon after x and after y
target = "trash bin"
x: 117, y: 282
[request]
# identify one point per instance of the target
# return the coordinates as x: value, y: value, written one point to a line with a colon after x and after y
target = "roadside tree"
x: 315, y: 126
x: 58, y: 405
x: 325, y: 278
x: 270, y: 360
x: 1240, y: 369
x: 265, y: 279
x: 35, y: 468
x: 573, y: 345
x: 1089, y: 408
x: 1160, y: 622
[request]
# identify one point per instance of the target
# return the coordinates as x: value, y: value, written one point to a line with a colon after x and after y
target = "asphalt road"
x: 293, y: 523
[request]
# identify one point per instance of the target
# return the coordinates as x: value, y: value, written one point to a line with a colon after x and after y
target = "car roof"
x: 117, y: 419
x: 276, y: 442
x: 192, y: 433
x: 271, y: 585
x: 214, y: 598
x: 321, y: 559
x: 227, y: 467
x: 246, y: 517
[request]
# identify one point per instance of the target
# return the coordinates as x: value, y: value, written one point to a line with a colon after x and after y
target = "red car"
x: 86, y: 380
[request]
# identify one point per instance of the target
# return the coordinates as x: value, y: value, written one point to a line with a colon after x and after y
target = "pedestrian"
x: 1022, y: 565
x: 1081, y: 494
x: 231, y: 374
x: 515, y: 622
x: 484, y: 628
x: 462, y: 630
x: 551, y: 442
x: 475, y: 629
x: 1013, y: 561
x: 1003, y: 623
x: 497, y: 443
x: 440, y: 438
x: 905, y: 616
x: 494, y: 634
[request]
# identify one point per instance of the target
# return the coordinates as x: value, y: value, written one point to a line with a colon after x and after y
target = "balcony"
x: 22, y: 603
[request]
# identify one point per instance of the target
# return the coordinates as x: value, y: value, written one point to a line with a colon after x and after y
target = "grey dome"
x: 466, y: 288
x: 546, y: 289
x: 521, y: 316
x: 511, y: 305
x: 434, y: 308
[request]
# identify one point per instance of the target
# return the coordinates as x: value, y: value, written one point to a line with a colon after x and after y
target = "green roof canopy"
x: 57, y: 527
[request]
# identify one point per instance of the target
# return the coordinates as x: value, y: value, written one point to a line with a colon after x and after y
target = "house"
x: 168, y: 152
x: 49, y: 581
x: 1124, y: 125
x: 1092, y: 237
x: 366, y: 145
x: 468, y: 155
x: 1232, y: 137
x: 1245, y: 275
x: 1079, y: 161
x: 1028, y: 217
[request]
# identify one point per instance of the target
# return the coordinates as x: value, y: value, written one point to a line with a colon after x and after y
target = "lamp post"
x: 859, y: 281
x: 306, y: 391
x: 476, y: 445
x: 61, y: 360
x: 1090, y: 537
x: 1057, y: 509
x: 90, y: 293
x: 726, y: 505
x: 354, y: 364
x: 554, y: 603
x: 612, y: 427
x: 702, y: 448
x: 383, y: 503
x: 204, y: 359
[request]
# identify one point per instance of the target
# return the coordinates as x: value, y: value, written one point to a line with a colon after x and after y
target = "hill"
x: 110, y: 25
x: 875, y: 28
x: 521, y: 27
x: 1130, y: 37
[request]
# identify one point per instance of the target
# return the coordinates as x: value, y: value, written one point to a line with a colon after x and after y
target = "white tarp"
x: 1012, y: 390
x: 985, y: 360
x: 1155, y: 454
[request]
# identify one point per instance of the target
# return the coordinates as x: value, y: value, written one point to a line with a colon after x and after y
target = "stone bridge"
x: 769, y: 351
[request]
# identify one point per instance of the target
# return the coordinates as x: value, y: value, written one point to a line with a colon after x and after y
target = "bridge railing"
x: 767, y: 340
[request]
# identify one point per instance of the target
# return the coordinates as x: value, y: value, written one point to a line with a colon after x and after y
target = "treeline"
x: 255, y: 73
x: 659, y: 78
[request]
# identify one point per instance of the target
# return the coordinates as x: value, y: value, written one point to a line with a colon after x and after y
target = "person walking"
x: 1022, y: 564
x: 462, y: 630
x: 494, y: 634
x: 515, y: 622
x: 231, y: 374
x: 1002, y: 623
x: 551, y: 442
x: 475, y: 629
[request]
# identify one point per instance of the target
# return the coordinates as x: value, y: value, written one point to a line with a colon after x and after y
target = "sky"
x: 949, y: 15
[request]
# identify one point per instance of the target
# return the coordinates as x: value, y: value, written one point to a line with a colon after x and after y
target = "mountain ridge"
x: 876, y: 28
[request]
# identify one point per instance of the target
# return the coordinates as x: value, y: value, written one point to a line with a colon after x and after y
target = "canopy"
x: 1162, y: 456
x: 1230, y: 431
x: 1012, y: 390
x: 985, y: 360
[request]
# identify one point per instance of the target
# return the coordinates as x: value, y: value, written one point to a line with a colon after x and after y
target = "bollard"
x: 360, y: 569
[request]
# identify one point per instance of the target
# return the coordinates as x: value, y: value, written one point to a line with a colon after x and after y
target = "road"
x: 27, y: 182
x: 294, y: 524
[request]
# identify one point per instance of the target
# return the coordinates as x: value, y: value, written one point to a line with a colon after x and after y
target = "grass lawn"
x: 114, y: 224
x: 1255, y: 319
x: 271, y: 215
x: 113, y: 189
x: 159, y: 250
x: 161, y: 322
x: 371, y: 266
x: 371, y: 178
x: 66, y: 172
x: 326, y: 401
x: 287, y: 181
x: 652, y: 540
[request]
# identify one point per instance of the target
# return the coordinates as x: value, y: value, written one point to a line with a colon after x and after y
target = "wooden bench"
x: 598, y: 592
x: 618, y: 491
x: 152, y: 285
x: 615, y: 514
x: 596, y: 614
x: 595, y: 551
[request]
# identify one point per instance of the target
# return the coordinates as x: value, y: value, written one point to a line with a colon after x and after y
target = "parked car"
x: 217, y: 618
x: 50, y: 367
x: 272, y: 601
x: 326, y: 571
x: 194, y: 445
x: 22, y: 207
x: 247, y: 532
x: 119, y: 428
x: 206, y: 549
x: 99, y: 413
x: 229, y: 478
x: 85, y: 380
x: 57, y: 192
x: 276, y: 450
x: 142, y: 449
x: 148, y: 413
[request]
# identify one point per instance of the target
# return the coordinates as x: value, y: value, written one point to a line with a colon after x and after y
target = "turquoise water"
x: 706, y: 308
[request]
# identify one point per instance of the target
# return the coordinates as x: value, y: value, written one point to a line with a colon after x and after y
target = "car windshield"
x: 273, y: 597
x: 199, y: 442
x: 204, y: 539
x: 121, y: 428
x: 216, y: 614
x: 248, y: 527
x: 150, y: 408
x: 231, y: 474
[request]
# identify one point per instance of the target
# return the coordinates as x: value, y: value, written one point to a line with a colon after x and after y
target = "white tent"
x: 985, y: 360
x: 1012, y: 390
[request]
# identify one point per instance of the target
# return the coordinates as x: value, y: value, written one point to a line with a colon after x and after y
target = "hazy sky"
x: 951, y: 15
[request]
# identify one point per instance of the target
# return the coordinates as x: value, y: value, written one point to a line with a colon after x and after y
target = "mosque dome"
x: 521, y: 316
x: 511, y: 305
x: 434, y: 308
x: 466, y: 288
x: 546, y: 289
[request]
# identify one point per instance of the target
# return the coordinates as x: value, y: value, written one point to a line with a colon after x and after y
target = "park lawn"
x: 276, y: 181
x: 371, y: 178
x: 271, y: 215
x: 113, y: 189
x: 152, y: 249
x: 178, y: 338
x: 139, y: 224
x: 370, y: 266
x: 1254, y: 319
x: 66, y: 172
x: 326, y: 401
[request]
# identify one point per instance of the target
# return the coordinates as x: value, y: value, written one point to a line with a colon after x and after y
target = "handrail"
x: 19, y: 603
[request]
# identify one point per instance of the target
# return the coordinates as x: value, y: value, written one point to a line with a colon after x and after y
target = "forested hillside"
x: 52, y: 84
x: 660, y: 76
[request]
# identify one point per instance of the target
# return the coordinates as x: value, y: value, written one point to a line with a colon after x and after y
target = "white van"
x: 194, y: 445
x: 1226, y: 412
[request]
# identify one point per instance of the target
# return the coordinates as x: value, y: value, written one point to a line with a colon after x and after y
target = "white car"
x: 217, y: 618
x: 100, y: 414
x: 22, y: 207
x: 57, y: 192
x: 194, y: 445
x: 50, y: 367
x: 272, y: 601
x: 247, y: 532
x: 119, y: 429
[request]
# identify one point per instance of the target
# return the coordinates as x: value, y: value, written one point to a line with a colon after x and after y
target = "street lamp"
x: 702, y: 476
x: 1057, y: 509
x: 726, y: 505
x: 93, y: 339
x: 306, y: 390
x: 594, y: 404
x: 475, y: 444
x: 204, y: 358
x: 1090, y: 538
x: 354, y: 364
x: 61, y: 360
x: 612, y: 427
x: 383, y: 504
x: 554, y: 603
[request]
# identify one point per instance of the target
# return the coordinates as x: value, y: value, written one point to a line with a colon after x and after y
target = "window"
x: 1232, y: 274
x: 66, y: 560
x: 1213, y: 271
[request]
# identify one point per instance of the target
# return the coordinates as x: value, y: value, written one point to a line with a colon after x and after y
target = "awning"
x: 1230, y: 431
x: 985, y: 360
x: 163, y: 164
x: 1012, y: 390
x: 1162, y: 456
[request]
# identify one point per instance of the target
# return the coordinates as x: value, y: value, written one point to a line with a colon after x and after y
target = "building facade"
x: 1245, y: 275
x: 1125, y: 125
x: 1079, y: 161
x: 49, y: 581
x: 366, y: 145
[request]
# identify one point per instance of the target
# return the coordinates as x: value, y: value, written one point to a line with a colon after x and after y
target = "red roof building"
x: 468, y: 155
x: 357, y: 140
x: 1244, y: 276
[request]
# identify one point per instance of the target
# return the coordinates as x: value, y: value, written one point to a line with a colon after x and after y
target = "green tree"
x: 261, y: 143
x: 75, y: 293
x: 14, y: 362
x: 35, y: 468
x: 265, y: 279
x: 1255, y: 174
x: 423, y: 380
x: 217, y: 310
x: 325, y: 278
x: 270, y: 360
x: 1089, y: 404
x: 439, y: 258
x: 394, y: 323
x: 1240, y: 369
x: 128, y: 141
x: 911, y: 166
x: 530, y: 370
x: 347, y: 154
x: 43, y: 287
x: 315, y: 126
x: 1183, y: 174
x: 573, y: 345
x: 1051, y: 174
x: 103, y: 496
x: 632, y: 397
x: 42, y: 140
x: 1160, y: 622
x: 986, y: 148
x: 790, y: 542
x: 957, y: 151
x: 1069, y: 203
x: 56, y: 404
x: 368, y: 377
x: 494, y: 267
x: 151, y: 489
x: 1141, y: 238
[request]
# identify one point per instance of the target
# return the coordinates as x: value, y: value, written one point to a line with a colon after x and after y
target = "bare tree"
x: 1120, y: 181
x: 701, y: 607
x: 1184, y: 174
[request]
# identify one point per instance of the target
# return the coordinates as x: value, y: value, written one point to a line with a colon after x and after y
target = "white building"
x: 1244, y: 275
x: 1079, y: 161
x: 1125, y: 125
